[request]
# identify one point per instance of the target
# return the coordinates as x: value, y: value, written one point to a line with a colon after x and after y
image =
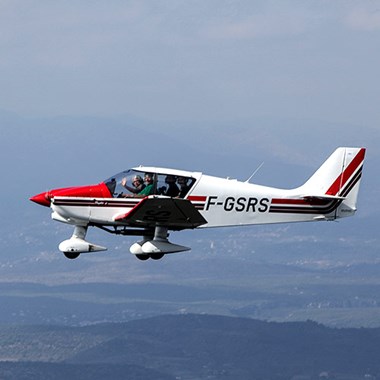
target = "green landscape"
x: 190, y: 347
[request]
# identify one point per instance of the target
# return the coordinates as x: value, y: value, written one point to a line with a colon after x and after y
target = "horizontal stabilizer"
x: 322, y: 197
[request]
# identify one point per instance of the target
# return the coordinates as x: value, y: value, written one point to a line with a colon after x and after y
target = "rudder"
x: 339, y: 176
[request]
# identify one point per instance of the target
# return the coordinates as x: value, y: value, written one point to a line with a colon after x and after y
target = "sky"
x: 198, y: 60
x: 90, y: 88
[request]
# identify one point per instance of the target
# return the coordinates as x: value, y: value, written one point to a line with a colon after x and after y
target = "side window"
x: 185, y: 184
x: 173, y: 186
x: 167, y: 185
x: 133, y: 183
x: 126, y: 183
x: 111, y: 184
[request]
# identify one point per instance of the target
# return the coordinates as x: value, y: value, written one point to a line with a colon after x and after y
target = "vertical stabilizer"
x: 338, y: 177
x: 350, y: 181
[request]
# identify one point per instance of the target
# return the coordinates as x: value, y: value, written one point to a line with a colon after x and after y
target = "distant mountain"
x: 63, y: 371
x: 191, y: 347
x: 231, y: 284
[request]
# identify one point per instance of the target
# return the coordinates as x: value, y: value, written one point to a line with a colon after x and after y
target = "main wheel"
x: 157, y: 256
x: 142, y: 257
x: 71, y: 255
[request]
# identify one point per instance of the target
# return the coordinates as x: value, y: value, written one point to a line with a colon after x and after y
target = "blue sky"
x: 192, y: 60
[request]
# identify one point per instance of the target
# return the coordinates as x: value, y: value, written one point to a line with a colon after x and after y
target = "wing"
x: 174, y: 213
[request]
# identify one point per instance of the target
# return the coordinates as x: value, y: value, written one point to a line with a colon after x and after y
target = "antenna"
x: 259, y: 167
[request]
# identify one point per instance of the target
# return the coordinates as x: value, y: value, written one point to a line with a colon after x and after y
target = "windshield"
x: 134, y: 183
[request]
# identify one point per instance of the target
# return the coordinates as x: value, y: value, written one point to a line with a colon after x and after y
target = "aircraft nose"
x: 42, y: 199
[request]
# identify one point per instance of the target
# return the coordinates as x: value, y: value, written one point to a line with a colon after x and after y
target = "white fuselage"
x: 222, y: 202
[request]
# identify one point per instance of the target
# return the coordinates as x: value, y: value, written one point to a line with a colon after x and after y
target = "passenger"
x: 172, y: 189
x: 149, y: 187
x: 184, y: 187
x: 137, y: 182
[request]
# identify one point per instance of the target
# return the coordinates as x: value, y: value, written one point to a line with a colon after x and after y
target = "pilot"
x: 172, y: 189
x: 184, y: 187
x: 137, y: 182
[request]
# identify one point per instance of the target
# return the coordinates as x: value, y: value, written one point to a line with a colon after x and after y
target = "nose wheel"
x: 77, y: 244
x: 71, y: 255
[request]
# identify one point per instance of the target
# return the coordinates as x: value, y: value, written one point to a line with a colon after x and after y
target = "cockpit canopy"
x: 137, y: 183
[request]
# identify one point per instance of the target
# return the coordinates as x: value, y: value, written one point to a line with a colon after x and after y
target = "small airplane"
x: 150, y: 201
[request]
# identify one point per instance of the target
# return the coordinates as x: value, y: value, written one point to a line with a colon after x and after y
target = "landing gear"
x: 153, y: 256
x: 77, y: 244
x: 71, y: 255
x: 142, y: 257
x: 157, y: 256
x: 157, y: 247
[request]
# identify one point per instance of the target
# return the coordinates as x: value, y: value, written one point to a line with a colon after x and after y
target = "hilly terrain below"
x: 190, y: 347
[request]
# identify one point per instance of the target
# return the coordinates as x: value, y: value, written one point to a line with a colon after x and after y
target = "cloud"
x: 188, y: 59
x: 57, y: 34
x: 363, y: 19
x: 267, y: 23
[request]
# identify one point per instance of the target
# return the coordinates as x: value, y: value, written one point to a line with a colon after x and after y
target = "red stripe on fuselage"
x: 342, y: 179
x: 197, y: 198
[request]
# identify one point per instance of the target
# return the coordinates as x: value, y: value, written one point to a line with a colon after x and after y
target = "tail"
x: 337, y: 180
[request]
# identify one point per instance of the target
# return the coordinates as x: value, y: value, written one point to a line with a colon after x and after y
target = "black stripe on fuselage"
x: 325, y: 209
